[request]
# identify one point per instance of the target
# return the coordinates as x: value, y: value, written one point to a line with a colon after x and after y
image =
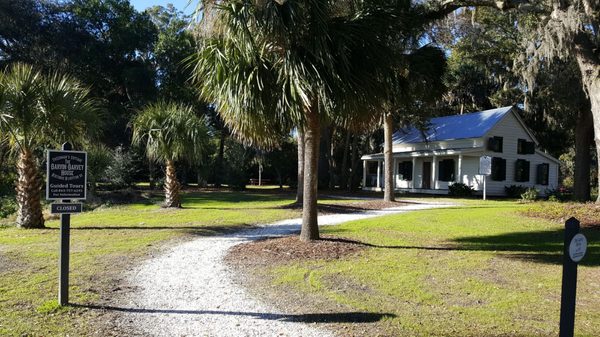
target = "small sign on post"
x: 485, y: 169
x: 574, y: 250
x: 66, y: 179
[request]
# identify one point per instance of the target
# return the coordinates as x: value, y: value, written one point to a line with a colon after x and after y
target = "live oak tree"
x: 38, y: 109
x: 171, y: 132
x: 269, y: 64
x: 565, y: 28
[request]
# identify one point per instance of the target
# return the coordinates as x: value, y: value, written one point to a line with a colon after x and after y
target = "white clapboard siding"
x: 511, y: 129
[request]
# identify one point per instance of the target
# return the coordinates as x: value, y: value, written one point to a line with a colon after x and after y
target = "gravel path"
x: 188, y: 290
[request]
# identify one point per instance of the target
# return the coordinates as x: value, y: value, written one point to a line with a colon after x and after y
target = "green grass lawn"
x: 483, y: 269
x: 104, y: 244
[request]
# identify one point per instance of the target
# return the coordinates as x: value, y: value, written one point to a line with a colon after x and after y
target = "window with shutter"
x: 525, y: 147
x: 543, y: 172
x: 498, y: 169
x: 405, y: 169
x: 522, y: 170
x: 446, y: 170
x: 495, y: 144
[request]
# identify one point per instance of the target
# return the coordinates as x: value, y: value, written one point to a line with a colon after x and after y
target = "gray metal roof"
x: 471, y: 125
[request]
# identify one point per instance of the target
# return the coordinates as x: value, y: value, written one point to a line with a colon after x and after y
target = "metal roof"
x: 471, y: 125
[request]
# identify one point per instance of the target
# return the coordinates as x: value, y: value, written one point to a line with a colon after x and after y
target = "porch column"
x: 459, y: 175
x: 364, y: 184
x: 395, y: 170
x: 414, y: 172
x: 434, y: 173
x: 379, y: 174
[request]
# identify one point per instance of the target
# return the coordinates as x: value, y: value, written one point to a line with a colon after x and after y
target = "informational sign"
x: 485, y: 165
x: 67, y: 175
x: 578, y: 247
x: 65, y: 208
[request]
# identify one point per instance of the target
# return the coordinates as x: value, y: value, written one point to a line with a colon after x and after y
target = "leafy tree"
x: 36, y: 110
x: 558, y: 30
x: 171, y: 132
x: 269, y: 64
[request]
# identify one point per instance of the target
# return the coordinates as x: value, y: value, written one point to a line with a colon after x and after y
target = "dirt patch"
x: 269, y: 251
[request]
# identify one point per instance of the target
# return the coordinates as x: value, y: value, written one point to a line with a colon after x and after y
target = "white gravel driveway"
x: 189, y: 291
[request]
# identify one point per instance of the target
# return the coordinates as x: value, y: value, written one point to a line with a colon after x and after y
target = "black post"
x: 569, y: 283
x: 65, y: 236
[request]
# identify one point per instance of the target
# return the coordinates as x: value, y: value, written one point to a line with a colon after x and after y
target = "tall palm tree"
x: 270, y: 63
x: 35, y: 110
x: 411, y: 90
x: 171, y: 132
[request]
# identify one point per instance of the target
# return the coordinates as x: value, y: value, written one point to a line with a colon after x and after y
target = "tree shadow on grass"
x: 539, y: 246
x: 194, y: 230
x: 334, y: 317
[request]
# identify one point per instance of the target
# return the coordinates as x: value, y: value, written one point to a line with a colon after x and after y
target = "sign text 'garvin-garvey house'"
x: 449, y: 151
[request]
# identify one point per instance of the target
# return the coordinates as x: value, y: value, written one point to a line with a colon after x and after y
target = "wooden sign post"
x: 66, y: 180
x: 574, y: 251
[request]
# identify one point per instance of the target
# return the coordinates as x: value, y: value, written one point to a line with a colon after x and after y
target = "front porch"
x: 429, y: 172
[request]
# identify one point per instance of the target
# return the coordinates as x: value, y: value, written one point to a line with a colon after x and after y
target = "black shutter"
x: 543, y: 172
x: 530, y: 148
x: 498, y: 169
x: 521, y: 146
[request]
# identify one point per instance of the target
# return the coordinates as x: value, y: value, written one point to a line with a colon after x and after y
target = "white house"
x: 449, y: 151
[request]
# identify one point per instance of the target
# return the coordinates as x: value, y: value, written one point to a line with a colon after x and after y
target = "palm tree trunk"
x: 344, y: 174
x: 330, y: 157
x: 301, y: 147
x: 354, y: 160
x: 28, y: 190
x: 388, y: 124
x: 219, y: 163
x: 172, y: 186
x: 310, y: 225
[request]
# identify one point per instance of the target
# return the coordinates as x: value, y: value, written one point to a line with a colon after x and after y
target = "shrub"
x: 121, y: 170
x: 460, y: 190
x: 531, y: 194
x: 514, y: 191
x: 7, y: 207
x: 559, y: 194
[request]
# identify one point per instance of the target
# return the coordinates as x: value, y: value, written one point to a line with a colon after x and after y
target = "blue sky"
x: 140, y: 5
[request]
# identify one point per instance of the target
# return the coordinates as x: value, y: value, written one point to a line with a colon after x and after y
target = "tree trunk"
x: 388, y: 129
x: 584, y: 137
x: 151, y: 174
x: 301, y: 147
x: 354, y: 160
x: 172, y: 186
x: 310, y: 225
x: 29, y: 187
x: 344, y: 173
x: 219, y: 164
x: 330, y: 157
x: 589, y: 67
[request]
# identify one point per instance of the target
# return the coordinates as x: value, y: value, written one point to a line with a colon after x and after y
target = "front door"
x: 426, y: 175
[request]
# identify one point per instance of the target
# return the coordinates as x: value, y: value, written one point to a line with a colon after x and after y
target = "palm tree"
x: 411, y: 90
x: 35, y: 110
x: 171, y: 132
x: 268, y: 64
